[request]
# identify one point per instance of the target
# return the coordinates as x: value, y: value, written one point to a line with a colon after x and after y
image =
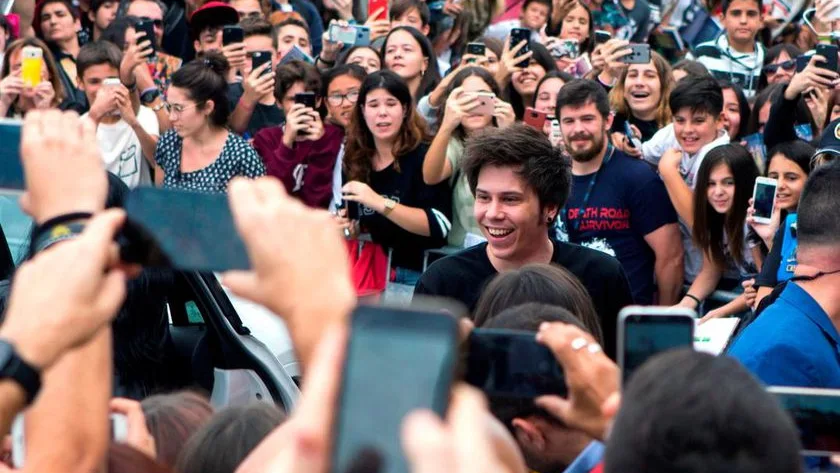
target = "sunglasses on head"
x: 788, y: 65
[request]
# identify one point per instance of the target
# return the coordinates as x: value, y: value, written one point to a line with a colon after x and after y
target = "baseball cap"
x: 212, y: 14
x: 829, y: 145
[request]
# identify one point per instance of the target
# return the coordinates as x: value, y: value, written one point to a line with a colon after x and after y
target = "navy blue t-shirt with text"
x: 627, y: 202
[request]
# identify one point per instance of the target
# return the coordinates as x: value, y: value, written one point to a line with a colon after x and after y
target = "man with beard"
x: 617, y: 203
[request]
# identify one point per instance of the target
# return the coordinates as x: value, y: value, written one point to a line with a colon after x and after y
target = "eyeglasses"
x: 336, y: 99
x: 156, y: 23
x: 178, y: 109
x: 788, y: 65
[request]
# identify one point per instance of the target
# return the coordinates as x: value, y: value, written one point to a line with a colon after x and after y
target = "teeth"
x: 498, y: 232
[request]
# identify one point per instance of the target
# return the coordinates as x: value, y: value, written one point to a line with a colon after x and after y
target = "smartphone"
x: 374, y: 5
x: 816, y: 413
x: 639, y: 54
x: 146, y: 28
x: 518, y: 35
x: 31, y: 65
x: 232, y: 34
x: 397, y: 360
x: 362, y: 35
x: 487, y: 104
x: 511, y: 364
x: 296, y: 54
x: 477, y: 49
x: 535, y: 118
x: 802, y: 62
x: 634, y: 140
x: 182, y: 230
x: 345, y: 34
x: 602, y: 37
x: 12, y: 181
x: 764, y: 198
x: 119, y: 433
x: 111, y: 82
x: 647, y: 331
x: 565, y: 48
x: 258, y: 58
x: 306, y: 98
x: 829, y: 52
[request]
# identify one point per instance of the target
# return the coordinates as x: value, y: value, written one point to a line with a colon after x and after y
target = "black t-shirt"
x: 646, y: 128
x: 263, y: 116
x: 464, y: 275
x: 628, y: 201
x: 406, y: 187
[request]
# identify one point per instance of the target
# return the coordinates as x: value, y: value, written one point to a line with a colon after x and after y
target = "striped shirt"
x: 723, y: 62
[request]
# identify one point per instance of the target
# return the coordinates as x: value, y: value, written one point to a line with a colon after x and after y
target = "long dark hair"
x: 431, y: 78
x: 709, y: 225
x: 544, y: 59
x: 360, y: 147
x: 743, y: 108
x: 457, y: 81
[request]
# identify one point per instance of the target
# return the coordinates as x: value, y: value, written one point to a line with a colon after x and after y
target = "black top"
x: 406, y: 187
x: 646, y: 128
x: 768, y: 277
x: 464, y: 275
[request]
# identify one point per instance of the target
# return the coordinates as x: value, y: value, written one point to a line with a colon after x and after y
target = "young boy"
x: 255, y: 105
x: 125, y: 131
x: 413, y: 13
x: 735, y: 55
x: 679, y: 148
x: 534, y: 16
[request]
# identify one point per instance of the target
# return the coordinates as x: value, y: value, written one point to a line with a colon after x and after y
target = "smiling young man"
x: 679, y: 148
x: 735, y: 55
x: 520, y: 183
x: 618, y: 204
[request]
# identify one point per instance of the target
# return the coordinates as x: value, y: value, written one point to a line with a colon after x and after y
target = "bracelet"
x: 132, y: 87
x: 328, y: 63
x: 57, y: 233
x: 59, y: 219
x: 694, y: 298
x: 147, y: 90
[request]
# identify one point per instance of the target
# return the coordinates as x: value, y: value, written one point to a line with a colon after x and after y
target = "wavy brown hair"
x: 360, y: 147
x: 49, y: 60
x: 663, y: 112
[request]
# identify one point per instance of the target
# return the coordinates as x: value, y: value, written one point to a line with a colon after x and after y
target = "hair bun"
x: 216, y: 62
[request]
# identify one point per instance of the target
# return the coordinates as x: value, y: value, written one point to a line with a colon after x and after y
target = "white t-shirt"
x: 121, y: 150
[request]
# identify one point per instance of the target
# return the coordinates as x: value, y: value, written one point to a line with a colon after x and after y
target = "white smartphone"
x: 119, y: 432
x: 647, y: 331
x: 816, y: 413
x: 764, y: 199
x: 111, y: 82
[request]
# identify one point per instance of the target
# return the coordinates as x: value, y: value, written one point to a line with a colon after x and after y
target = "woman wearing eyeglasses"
x: 199, y: 153
x: 301, y: 153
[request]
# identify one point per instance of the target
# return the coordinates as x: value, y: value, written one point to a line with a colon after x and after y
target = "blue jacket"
x: 792, y: 343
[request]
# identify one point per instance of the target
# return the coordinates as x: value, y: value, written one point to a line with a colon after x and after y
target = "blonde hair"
x: 663, y: 111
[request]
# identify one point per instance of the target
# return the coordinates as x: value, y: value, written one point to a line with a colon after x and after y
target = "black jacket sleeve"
x: 780, y: 126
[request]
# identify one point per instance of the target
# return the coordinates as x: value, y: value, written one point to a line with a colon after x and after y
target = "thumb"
x: 244, y: 284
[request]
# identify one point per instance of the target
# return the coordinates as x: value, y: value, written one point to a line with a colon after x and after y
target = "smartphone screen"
x: 518, y: 35
x: 12, y: 181
x: 477, y: 49
x: 510, y: 363
x: 183, y: 230
x: 645, y: 332
x: 816, y: 413
x: 397, y: 361
x: 345, y: 34
x: 764, y: 195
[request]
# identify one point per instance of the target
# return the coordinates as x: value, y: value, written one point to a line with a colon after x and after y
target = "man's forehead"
x: 501, y: 179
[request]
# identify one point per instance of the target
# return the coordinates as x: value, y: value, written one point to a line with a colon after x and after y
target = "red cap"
x: 213, y: 13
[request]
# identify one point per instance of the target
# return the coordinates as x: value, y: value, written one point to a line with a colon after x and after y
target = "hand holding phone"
x: 31, y: 65
x: 535, y: 118
x: 518, y: 35
x: 258, y: 58
x: 764, y: 199
x: 345, y: 34
x: 639, y: 54
x: 146, y: 32
x: 232, y: 34
x: 397, y: 361
x: 829, y: 52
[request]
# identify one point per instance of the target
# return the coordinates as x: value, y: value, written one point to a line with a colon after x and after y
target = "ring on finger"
x: 579, y: 343
x: 593, y: 348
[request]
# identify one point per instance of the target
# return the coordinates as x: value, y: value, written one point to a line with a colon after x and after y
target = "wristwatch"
x: 149, y: 95
x: 390, y: 204
x: 15, y: 368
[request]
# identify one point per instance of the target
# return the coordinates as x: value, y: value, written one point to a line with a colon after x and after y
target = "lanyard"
x: 588, y: 194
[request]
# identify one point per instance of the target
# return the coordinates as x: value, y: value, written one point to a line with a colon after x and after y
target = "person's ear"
x: 197, y: 45
x: 425, y: 65
x: 425, y: 30
x: 91, y: 16
x: 527, y: 433
x: 721, y: 121
x: 209, y: 106
x: 609, y: 121
x: 549, y: 213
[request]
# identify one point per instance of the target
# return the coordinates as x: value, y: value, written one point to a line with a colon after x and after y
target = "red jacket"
x: 305, y: 169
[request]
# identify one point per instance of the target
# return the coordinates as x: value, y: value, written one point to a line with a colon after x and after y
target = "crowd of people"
x: 545, y: 183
